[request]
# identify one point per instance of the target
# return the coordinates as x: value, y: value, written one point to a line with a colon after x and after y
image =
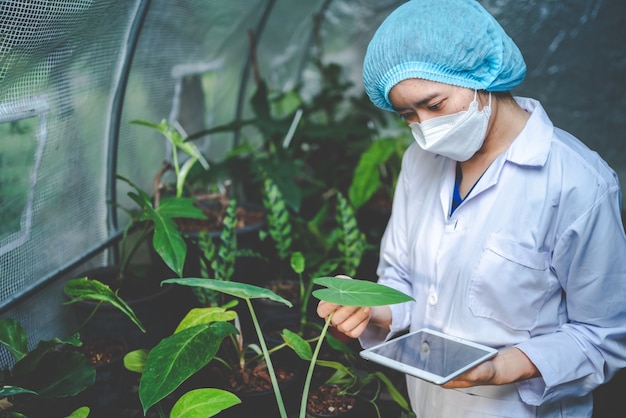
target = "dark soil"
x: 101, y: 351
x: 327, y: 402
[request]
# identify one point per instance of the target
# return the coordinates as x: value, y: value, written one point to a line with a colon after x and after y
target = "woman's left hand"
x: 508, y: 366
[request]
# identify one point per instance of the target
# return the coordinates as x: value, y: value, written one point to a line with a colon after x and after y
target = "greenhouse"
x: 177, y: 176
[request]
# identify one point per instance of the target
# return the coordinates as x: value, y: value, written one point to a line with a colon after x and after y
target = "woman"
x: 505, y: 229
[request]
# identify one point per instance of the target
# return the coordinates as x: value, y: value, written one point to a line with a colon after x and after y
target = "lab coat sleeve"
x: 393, y: 265
x: 590, y: 262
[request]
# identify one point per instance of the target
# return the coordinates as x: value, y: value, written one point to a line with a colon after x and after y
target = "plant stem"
x: 309, y: 374
x: 268, y: 360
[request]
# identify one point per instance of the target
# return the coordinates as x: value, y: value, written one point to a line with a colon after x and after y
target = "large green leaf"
x: 28, y: 363
x: 241, y: 290
x: 59, y: 374
x: 203, y: 403
x: 353, y: 292
x: 169, y: 243
x: 13, y: 337
x: 82, y: 289
x: 177, y: 357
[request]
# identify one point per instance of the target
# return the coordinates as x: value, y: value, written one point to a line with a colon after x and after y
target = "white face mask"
x: 457, y: 136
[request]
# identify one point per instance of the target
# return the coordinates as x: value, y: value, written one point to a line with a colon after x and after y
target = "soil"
x: 256, y: 379
x: 100, y: 351
x: 327, y: 402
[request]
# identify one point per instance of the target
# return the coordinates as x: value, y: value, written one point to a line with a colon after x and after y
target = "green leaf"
x: 353, y: 292
x: 135, y: 361
x: 13, y: 337
x: 169, y: 244
x: 203, y: 403
x: 199, y: 316
x: 6, y: 391
x: 82, y: 412
x: 240, y: 290
x: 59, y: 374
x: 182, y: 207
x: 82, y: 289
x: 179, y: 356
x: 366, y: 178
x: 29, y: 362
x: 297, y: 262
x: 298, y: 344
x: 395, y: 394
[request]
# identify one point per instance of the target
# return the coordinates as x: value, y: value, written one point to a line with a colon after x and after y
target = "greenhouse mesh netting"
x: 74, y: 73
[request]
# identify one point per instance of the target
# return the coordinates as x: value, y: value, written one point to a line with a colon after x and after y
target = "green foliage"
x: 202, y: 403
x: 82, y: 289
x: 82, y: 412
x: 43, y: 372
x: 363, y: 293
x: 351, y: 242
x: 278, y: 222
x: 178, y: 144
x: 167, y: 240
x: 357, y: 293
x: 378, y: 167
x: 178, y: 357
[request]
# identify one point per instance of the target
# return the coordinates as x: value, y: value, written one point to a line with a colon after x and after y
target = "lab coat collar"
x: 532, y: 145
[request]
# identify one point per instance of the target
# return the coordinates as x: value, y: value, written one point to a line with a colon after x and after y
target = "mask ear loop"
x: 476, y: 96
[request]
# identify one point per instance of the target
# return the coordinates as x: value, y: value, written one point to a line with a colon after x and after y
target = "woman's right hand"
x: 352, y: 320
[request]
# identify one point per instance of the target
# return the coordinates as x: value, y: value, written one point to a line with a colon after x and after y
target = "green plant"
x: 155, y: 215
x: 45, y: 372
x: 343, y: 291
x: 377, y: 169
x: 81, y: 289
x: 346, y: 292
x: 178, y: 143
x: 195, y: 343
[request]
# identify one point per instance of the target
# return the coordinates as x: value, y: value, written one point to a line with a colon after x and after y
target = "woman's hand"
x: 352, y: 320
x: 508, y: 366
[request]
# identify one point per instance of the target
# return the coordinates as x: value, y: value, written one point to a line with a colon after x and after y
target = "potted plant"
x: 211, y: 197
x: 42, y: 376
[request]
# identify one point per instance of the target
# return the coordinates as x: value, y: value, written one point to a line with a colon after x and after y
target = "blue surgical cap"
x: 455, y: 42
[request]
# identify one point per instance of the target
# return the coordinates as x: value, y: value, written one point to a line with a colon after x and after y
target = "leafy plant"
x: 43, y: 372
x: 378, y: 168
x: 81, y: 289
x: 338, y: 290
x: 195, y: 343
x: 178, y: 143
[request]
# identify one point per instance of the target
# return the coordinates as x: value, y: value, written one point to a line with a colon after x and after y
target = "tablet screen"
x: 429, y: 355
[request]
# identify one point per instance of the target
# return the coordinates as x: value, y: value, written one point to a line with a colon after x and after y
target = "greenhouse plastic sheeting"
x: 74, y: 73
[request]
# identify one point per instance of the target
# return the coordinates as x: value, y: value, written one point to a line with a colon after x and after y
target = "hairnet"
x: 450, y: 41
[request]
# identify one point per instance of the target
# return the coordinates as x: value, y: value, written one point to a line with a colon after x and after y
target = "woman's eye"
x: 435, y: 106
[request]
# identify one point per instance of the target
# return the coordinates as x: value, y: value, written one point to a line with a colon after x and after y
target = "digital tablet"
x: 429, y: 355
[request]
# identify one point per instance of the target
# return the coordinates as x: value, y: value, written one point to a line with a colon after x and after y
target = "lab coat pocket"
x: 510, y: 284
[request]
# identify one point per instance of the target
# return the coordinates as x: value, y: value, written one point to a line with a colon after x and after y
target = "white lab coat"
x: 534, y: 257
